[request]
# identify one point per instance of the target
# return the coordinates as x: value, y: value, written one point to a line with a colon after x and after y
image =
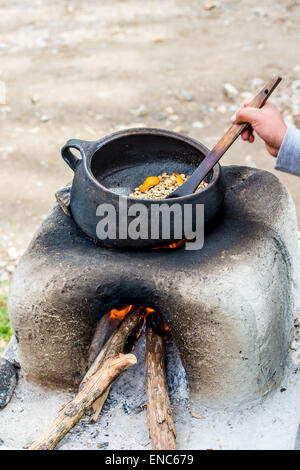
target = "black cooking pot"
x: 112, y: 167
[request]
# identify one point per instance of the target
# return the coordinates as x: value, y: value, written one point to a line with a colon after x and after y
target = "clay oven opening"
x: 111, y: 321
x: 110, y: 353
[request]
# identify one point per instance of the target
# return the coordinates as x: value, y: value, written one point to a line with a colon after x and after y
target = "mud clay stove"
x: 230, y: 306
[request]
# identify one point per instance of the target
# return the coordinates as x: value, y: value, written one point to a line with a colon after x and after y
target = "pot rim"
x: 148, y: 131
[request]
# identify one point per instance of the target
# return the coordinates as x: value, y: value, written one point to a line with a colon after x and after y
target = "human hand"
x: 267, y: 122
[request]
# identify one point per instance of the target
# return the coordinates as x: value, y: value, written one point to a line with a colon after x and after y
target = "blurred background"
x: 86, y: 68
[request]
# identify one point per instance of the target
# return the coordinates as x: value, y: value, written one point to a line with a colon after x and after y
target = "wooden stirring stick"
x: 192, y: 183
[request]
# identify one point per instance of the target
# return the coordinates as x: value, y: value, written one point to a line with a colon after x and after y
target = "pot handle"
x: 69, y: 157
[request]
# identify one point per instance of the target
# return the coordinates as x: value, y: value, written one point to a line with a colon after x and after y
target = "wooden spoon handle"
x: 223, y: 145
x: 236, y: 129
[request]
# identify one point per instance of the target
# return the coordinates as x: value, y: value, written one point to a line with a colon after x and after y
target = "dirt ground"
x: 86, y: 68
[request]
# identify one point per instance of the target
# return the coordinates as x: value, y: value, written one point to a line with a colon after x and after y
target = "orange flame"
x: 167, y: 329
x: 149, y: 311
x: 120, y: 314
x: 172, y: 245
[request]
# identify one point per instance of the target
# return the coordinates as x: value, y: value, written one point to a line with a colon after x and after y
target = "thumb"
x: 246, y: 114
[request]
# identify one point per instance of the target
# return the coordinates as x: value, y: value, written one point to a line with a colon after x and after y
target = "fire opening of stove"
x: 110, y: 354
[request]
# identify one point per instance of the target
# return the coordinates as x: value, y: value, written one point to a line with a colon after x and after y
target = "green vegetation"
x: 5, y: 331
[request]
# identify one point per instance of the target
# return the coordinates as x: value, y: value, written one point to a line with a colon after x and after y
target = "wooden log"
x: 115, y: 345
x: 76, y: 408
x: 103, y: 331
x: 159, y: 413
x: 98, y: 405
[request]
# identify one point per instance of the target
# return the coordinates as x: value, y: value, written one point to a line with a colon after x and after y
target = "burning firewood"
x: 104, y: 329
x: 117, y: 342
x: 71, y: 413
x: 112, y: 359
x: 159, y: 413
x: 109, y: 363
